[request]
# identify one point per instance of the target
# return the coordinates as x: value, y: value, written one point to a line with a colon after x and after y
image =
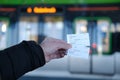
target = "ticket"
x: 80, y: 45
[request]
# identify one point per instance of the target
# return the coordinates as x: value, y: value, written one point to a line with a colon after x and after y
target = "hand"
x: 54, y: 48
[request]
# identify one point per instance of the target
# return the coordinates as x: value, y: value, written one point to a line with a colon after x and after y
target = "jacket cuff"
x: 37, y: 54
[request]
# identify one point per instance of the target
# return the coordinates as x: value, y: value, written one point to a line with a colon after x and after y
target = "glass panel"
x: 112, y: 28
x: 53, y: 26
x: 92, y: 30
x: 103, y: 36
x: 98, y: 32
x: 118, y: 27
x: 3, y: 34
x: 80, y: 26
x: 28, y: 28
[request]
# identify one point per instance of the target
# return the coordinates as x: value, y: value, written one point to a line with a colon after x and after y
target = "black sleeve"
x: 19, y: 59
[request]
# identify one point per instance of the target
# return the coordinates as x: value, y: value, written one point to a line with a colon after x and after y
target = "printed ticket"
x: 80, y: 45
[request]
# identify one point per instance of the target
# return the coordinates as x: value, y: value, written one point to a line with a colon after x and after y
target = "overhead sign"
x: 41, y: 10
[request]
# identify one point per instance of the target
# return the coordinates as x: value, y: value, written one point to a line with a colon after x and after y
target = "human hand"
x: 54, y: 48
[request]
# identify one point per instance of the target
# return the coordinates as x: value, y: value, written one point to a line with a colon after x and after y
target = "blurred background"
x: 28, y: 19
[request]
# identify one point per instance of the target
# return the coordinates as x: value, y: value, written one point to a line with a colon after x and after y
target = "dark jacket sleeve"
x: 19, y: 59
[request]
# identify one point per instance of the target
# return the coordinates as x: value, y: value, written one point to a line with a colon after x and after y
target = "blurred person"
x: 17, y: 60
